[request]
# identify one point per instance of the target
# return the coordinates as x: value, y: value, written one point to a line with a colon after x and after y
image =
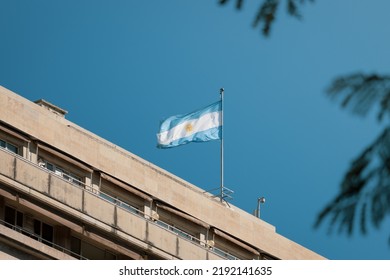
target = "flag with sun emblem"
x: 199, y: 126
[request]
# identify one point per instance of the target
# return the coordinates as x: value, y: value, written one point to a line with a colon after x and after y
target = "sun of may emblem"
x: 189, y: 127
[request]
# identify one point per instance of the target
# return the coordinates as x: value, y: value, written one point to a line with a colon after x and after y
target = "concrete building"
x: 66, y: 193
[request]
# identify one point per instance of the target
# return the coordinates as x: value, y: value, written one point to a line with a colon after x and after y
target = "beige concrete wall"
x: 105, y: 156
x: 40, y: 180
x: 132, y: 224
x: 7, y: 164
x: 190, y: 251
x: 99, y: 209
x: 65, y: 192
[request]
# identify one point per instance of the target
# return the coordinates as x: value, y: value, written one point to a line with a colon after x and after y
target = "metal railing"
x: 39, y: 238
x: 130, y: 209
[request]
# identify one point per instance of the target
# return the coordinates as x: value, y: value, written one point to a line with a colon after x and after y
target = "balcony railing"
x: 41, y: 240
x: 129, y: 209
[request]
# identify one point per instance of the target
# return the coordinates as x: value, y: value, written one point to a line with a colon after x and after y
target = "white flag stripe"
x: 190, y: 127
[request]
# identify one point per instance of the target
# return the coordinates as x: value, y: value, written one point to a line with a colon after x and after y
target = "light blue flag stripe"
x: 203, y: 136
x: 173, y: 121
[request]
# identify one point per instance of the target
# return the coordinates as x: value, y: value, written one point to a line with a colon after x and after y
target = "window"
x: 75, y: 247
x: 45, y: 231
x: 13, y: 218
x: 232, y: 248
x: 130, y: 208
x: 89, y: 251
x: 117, y: 201
x: 178, y: 231
x: 9, y: 147
x: 74, y: 179
x: 224, y: 254
x: 37, y: 230
x: 121, y: 194
x: 183, y: 234
x: 180, y: 223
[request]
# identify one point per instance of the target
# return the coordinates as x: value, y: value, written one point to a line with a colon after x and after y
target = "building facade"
x: 66, y: 193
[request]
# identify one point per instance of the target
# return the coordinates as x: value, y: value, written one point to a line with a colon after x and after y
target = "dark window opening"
x: 44, y: 231
x: 13, y: 218
x: 89, y: 251
x: 8, y: 146
x: 75, y: 247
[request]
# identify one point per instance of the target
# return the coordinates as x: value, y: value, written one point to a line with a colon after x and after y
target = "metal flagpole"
x: 221, y: 91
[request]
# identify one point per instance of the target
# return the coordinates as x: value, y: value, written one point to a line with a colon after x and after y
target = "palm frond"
x: 361, y: 92
x: 365, y: 190
x: 267, y: 12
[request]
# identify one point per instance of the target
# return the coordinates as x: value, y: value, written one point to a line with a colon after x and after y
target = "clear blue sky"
x: 119, y: 67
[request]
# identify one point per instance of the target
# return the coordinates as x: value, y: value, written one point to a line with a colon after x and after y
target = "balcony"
x: 112, y: 216
x: 38, y: 247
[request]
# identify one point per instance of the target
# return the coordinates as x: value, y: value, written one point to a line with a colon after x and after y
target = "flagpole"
x: 221, y: 91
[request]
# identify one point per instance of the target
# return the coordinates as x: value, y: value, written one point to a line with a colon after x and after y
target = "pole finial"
x: 221, y: 90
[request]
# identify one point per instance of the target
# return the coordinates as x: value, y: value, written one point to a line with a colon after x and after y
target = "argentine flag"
x: 199, y: 126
